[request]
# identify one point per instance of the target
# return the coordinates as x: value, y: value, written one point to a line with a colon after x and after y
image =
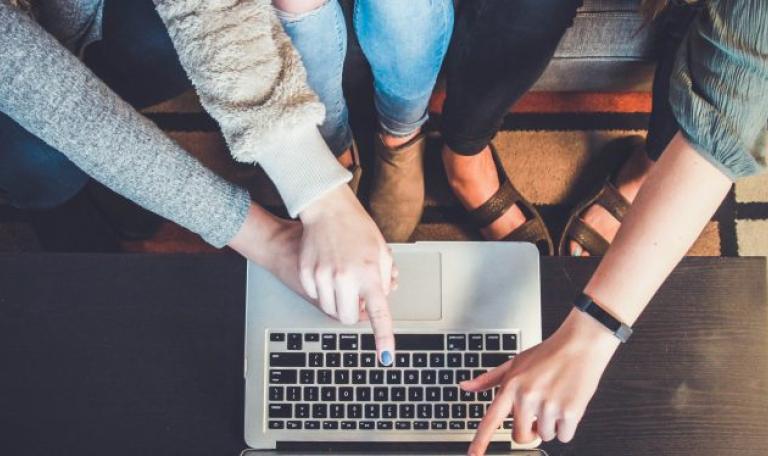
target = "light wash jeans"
x: 404, y: 41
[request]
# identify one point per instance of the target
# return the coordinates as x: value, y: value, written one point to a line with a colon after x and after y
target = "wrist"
x: 256, y: 234
x: 330, y: 204
x: 587, y: 334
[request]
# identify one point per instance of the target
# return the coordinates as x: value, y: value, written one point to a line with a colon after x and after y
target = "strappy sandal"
x: 533, y: 230
x: 609, y: 197
x: 355, y: 169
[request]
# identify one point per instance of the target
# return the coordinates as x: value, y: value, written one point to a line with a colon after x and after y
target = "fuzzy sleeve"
x: 251, y: 80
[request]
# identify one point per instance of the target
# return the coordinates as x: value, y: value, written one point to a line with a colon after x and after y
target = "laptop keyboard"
x: 333, y: 381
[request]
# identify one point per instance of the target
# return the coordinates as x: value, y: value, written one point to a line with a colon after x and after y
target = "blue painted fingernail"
x: 386, y: 358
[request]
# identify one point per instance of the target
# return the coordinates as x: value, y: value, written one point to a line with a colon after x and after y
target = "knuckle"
x: 570, y: 413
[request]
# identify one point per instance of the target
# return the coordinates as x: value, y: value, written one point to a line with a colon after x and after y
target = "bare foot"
x: 628, y: 182
x: 474, y: 180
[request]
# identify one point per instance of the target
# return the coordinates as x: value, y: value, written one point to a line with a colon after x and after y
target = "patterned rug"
x: 555, y: 146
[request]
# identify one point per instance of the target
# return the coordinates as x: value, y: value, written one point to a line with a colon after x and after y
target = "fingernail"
x: 576, y: 251
x: 386, y: 358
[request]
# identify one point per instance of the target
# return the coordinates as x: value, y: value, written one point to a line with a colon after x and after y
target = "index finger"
x: 494, y: 417
x: 377, y: 308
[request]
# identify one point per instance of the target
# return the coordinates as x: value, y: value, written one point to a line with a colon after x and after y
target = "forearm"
x: 54, y: 96
x: 676, y: 201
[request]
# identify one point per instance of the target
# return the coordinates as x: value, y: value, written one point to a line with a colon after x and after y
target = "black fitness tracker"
x: 585, y: 304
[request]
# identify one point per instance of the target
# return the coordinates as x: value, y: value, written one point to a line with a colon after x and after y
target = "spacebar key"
x: 409, y: 342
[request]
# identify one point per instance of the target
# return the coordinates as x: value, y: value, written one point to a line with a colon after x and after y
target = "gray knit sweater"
x: 247, y: 76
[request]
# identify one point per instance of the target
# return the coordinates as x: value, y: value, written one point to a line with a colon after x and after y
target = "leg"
x: 318, y: 32
x: 672, y: 27
x: 405, y: 42
x: 499, y: 50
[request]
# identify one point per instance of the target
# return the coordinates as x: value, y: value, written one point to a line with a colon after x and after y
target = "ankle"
x: 393, y: 142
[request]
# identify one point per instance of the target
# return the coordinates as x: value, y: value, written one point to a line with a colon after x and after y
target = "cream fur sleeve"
x: 251, y: 80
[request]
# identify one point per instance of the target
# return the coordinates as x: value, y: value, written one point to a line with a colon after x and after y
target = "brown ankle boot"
x: 397, y: 193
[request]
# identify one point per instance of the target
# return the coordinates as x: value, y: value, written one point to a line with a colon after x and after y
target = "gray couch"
x: 607, y: 49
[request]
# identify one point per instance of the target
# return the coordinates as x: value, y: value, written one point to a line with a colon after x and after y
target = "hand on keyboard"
x: 343, y: 261
x: 546, y: 388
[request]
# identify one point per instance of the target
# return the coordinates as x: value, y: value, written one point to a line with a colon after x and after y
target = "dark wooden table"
x: 142, y: 355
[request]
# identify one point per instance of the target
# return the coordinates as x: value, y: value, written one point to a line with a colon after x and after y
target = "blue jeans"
x: 137, y: 60
x: 404, y: 41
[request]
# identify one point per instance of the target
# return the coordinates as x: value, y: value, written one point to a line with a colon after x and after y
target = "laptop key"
x: 384, y: 425
x: 363, y: 394
x: 350, y: 360
x: 346, y: 394
x: 415, y: 394
x: 307, y: 376
x: 376, y: 377
x: 456, y: 425
x: 301, y: 410
x: 428, y: 377
x: 367, y: 359
x: 485, y: 396
x: 354, y: 411
x: 311, y: 393
x: 467, y: 396
x: 372, y: 411
x: 476, y: 410
x: 330, y: 425
x: 433, y: 394
x: 419, y: 360
x: 471, y: 360
x: 293, y: 425
x: 281, y: 359
x: 474, y: 424
x: 380, y: 394
x: 450, y: 394
x: 441, y: 411
x: 463, y: 375
x: 454, y: 359
x: 328, y: 394
x: 445, y: 377
x: 406, y: 411
x: 411, y: 377
x: 366, y: 425
x: 275, y: 424
x: 403, y: 360
x: 458, y: 410
x: 348, y: 342
x: 507, y: 424
x: 311, y: 337
x: 319, y: 410
x: 421, y: 425
x: 348, y: 425
x: 293, y: 393
x: 341, y: 377
x: 312, y: 424
x: 402, y: 425
x: 439, y: 425
x: 394, y: 377
x: 424, y: 411
x: 282, y: 376
x: 359, y: 377
x: 492, y: 342
x: 332, y: 360
x: 509, y: 342
x: 294, y: 341
x: 324, y: 377
x: 389, y: 411
x: 280, y: 411
x: 457, y: 342
x: 475, y: 342
x: 494, y: 359
x: 315, y: 359
x: 408, y: 342
x: 277, y: 337
x: 337, y: 411
x: 276, y: 393
x: 436, y: 360
x: 397, y: 394
x: 328, y: 341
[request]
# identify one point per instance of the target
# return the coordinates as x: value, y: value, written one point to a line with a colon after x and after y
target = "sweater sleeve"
x: 50, y: 93
x: 251, y: 80
x: 719, y: 85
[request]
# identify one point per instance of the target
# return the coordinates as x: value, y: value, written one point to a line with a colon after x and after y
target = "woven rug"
x: 552, y: 144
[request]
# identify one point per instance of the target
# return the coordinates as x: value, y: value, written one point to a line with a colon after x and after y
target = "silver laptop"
x: 461, y: 308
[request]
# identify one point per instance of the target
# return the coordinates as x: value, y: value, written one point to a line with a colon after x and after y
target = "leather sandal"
x: 533, y: 230
x: 609, y: 197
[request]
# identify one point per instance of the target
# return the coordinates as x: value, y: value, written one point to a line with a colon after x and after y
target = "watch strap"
x: 587, y: 305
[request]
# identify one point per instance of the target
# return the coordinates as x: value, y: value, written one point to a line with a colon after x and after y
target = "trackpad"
x: 419, y: 295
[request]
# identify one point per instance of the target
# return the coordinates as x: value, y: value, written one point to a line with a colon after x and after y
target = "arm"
x: 250, y: 79
x: 54, y: 96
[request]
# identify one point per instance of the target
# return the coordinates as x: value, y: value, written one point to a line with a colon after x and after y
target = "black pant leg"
x: 671, y: 26
x: 499, y: 49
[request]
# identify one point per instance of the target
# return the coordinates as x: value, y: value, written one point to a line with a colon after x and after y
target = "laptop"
x: 313, y: 384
